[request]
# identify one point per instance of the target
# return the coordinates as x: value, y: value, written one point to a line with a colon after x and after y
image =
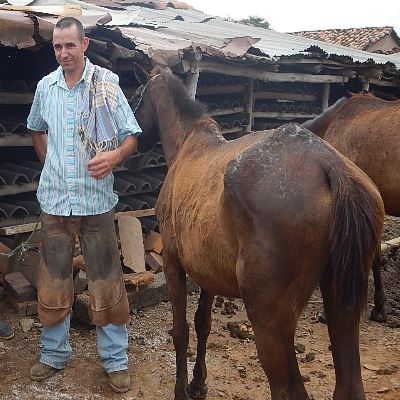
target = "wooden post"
x: 192, y: 79
x: 250, y: 103
x: 365, y: 85
x: 325, y: 95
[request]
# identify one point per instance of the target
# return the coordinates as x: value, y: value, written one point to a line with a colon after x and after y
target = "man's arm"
x: 103, y: 163
x: 39, y: 140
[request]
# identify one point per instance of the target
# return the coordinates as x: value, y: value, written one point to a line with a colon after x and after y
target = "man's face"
x: 69, y: 49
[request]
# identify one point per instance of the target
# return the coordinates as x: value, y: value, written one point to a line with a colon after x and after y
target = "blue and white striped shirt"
x: 65, y: 186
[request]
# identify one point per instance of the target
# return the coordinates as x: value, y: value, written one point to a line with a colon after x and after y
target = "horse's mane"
x: 190, y: 108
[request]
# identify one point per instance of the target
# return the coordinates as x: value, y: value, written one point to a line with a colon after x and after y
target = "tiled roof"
x: 357, y: 38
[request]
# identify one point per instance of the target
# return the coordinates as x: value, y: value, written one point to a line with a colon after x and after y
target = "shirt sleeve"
x: 125, y: 119
x: 35, y: 120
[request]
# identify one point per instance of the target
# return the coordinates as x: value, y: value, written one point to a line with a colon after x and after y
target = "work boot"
x: 120, y: 381
x: 40, y: 372
x: 5, y: 330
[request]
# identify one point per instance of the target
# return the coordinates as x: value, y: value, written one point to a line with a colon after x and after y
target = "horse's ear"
x: 141, y: 74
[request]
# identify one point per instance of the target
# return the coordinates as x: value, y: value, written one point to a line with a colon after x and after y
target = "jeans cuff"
x: 55, y: 364
x: 115, y: 368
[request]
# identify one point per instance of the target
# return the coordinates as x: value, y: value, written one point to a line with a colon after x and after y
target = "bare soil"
x: 233, y: 370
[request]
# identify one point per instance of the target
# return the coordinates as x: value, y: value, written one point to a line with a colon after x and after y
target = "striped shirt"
x: 65, y: 186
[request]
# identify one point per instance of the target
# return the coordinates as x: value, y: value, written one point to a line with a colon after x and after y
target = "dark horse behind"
x: 366, y: 129
x: 267, y: 218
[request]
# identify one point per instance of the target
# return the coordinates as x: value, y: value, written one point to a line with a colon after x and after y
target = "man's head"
x: 70, y: 44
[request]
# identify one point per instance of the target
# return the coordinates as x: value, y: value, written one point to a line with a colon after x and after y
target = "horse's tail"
x: 355, y: 231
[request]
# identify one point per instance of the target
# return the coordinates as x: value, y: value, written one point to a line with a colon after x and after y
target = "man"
x: 90, y: 129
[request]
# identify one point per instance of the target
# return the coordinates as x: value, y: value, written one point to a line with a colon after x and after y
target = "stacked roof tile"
x: 356, y: 38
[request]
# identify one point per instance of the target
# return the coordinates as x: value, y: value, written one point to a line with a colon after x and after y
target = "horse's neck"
x: 319, y: 124
x: 175, y: 131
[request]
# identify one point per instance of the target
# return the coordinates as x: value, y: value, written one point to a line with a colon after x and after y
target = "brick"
x: 154, y: 261
x: 19, y: 287
x: 23, y: 308
x: 153, y: 243
x: 80, y: 282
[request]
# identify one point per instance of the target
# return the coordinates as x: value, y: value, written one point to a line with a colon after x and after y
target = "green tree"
x: 259, y: 22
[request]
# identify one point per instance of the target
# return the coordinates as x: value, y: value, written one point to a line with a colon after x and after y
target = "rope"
x: 24, y: 246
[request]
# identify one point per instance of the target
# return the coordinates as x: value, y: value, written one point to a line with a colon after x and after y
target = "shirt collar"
x: 58, y: 77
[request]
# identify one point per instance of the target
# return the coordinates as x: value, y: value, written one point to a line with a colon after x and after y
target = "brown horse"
x: 267, y: 218
x: 366, y: 130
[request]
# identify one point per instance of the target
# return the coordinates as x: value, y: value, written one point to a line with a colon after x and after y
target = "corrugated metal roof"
x: 173, y: 30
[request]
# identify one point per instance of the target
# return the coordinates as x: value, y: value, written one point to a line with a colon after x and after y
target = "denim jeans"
x: 112, y: 344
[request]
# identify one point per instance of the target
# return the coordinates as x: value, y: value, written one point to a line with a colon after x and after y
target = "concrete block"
x: 154, y: 293
x: 131, y: 238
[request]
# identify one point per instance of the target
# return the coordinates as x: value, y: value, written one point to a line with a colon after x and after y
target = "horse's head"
x: 142, y: 108
x: 164, y: 111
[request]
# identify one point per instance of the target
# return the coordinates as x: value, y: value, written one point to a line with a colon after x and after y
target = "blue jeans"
x: 112, y: 344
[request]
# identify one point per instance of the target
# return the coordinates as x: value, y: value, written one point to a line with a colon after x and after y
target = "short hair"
x: 67, y: 22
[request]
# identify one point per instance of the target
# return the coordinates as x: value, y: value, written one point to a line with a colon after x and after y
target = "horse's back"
x: 278, y: 189
x: 366, y: 130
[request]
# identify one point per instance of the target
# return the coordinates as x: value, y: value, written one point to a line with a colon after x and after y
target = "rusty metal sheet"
x: 16, y: 29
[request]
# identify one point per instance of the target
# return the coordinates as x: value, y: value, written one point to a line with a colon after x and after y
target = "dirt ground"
x: 233, y: 369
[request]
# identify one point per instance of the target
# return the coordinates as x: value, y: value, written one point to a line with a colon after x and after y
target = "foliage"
x: 256, y: 21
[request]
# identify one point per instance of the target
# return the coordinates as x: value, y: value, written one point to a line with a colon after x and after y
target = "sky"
x: 307, y: 15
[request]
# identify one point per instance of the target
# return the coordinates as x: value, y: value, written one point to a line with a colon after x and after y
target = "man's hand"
x: 103, y: 163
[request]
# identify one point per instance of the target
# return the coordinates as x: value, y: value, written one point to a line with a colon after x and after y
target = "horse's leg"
x: 378, y: 313
x: 176, y: 282
x: 202, y: 320
x: 343, y: 326
x: 272, y: 309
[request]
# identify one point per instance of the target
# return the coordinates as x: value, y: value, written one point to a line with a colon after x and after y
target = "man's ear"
x: 85, y: 43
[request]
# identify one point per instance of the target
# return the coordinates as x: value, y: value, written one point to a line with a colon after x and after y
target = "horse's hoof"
x: 378, y: 315
x: 197, y: 392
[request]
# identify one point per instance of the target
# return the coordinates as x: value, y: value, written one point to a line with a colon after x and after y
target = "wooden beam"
x: 285, y: 96
x: 228, y: 111
x: 149, y: 212
x: 384, y: 83
x: 247, y: 72
x: 16, y: 98
x: 250, y: 103
x: 24, y: 228
x: 282, y: 115
x: 212, y: 90
x: 326, y: 87
x: 15, y: 229
x: 15, y: 140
